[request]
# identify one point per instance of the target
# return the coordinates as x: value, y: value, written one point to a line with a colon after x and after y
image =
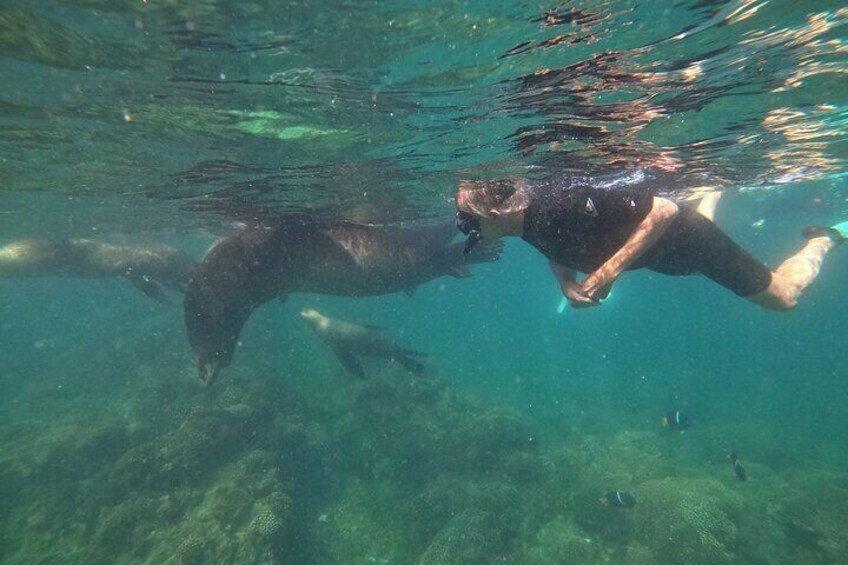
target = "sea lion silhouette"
x: 254, y: 265
x: 148, y: 268
x: 348, y: 340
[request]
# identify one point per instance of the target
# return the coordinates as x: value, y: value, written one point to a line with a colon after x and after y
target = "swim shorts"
x: 693, y: 244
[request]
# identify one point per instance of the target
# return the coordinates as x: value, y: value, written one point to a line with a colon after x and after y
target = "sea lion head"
x: 315, y: 318
x: 207, y: 369
x: 217, y: 304
x: 213, y: 328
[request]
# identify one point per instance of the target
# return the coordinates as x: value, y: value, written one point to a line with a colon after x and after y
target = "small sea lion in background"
x: 146, y: 267
x: 617, y: 499
x: 348, y: 340
x: 299, y: 254
x: 738, y: 469
x: 676, y: 421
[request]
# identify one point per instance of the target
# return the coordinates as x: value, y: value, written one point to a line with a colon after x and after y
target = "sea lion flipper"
x: 349, y: 362
x: 148, y: 286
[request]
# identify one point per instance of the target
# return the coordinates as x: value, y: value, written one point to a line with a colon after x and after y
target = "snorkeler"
x: 604, y: 229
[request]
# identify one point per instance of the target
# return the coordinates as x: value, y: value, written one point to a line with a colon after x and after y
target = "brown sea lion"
x: 348, y: 340
x: 146, y: 267
x: 252, y: 266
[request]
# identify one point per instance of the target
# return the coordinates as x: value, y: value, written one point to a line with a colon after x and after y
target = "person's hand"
x: 598, y: 285
x: 577, y: 297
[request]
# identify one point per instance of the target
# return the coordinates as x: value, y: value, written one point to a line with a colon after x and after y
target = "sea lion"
x: 254, y: 265
x: 146, y: 267
x: 348, y: 340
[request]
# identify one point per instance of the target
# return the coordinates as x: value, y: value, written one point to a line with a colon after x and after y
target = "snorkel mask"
x: 470, y: 226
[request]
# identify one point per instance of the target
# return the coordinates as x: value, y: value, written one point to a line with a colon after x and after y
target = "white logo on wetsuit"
x: 590, y: 209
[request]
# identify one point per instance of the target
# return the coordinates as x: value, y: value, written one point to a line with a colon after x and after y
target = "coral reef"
x: 391, y: 470
x: 692, y: 517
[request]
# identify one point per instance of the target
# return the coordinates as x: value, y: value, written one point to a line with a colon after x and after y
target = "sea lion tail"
x: 411, y: 365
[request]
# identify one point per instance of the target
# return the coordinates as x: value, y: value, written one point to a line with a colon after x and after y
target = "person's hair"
x: 482, y: 197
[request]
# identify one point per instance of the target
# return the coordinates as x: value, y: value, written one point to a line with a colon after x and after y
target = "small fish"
x: 617, y: 499
x: 740, y: 471
x: 676, y: 420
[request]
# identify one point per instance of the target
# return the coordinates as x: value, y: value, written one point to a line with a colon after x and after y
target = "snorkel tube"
x: 469, y: 226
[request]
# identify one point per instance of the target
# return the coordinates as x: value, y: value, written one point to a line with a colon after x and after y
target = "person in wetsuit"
x: 605, y: 228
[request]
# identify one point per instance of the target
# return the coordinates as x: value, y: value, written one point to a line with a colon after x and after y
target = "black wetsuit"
x: 580, y: 225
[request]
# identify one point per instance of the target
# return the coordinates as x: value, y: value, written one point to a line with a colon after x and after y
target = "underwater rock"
x: 610, y: 524
x: 205, y: 441
x: 271, y: 516
x: 639, y: 554
x: 529, y: 468
x: 361, y: 526
x: 244, y: 514
x: 688, y: 521
x: 427, y: 391
x: 483, y: 441
x: 615, y: 462
x: 125, y: 524
x: 11, y: 484
x: 191, y: 551
x: 435, y: 504
x: 559, y: 541
x: 680, y: 521
x: 809, y: 514
x: 266, y: 523
x: 77, y: 450
x: 471, y: 537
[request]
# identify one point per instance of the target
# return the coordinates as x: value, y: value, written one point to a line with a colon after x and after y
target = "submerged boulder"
x: 469, y: 538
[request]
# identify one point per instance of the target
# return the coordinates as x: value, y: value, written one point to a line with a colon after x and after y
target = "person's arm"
x: 643, y: 237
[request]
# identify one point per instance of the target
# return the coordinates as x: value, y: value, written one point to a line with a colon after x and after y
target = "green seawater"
x: 140, y: 122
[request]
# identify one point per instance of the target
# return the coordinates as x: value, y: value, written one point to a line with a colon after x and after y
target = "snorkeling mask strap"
x: 470, y: 226
x: 473, y: 237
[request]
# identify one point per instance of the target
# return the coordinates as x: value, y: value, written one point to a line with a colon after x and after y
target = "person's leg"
x: 707, y: 205
x: 794, y: 275
x: 693, y: 244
